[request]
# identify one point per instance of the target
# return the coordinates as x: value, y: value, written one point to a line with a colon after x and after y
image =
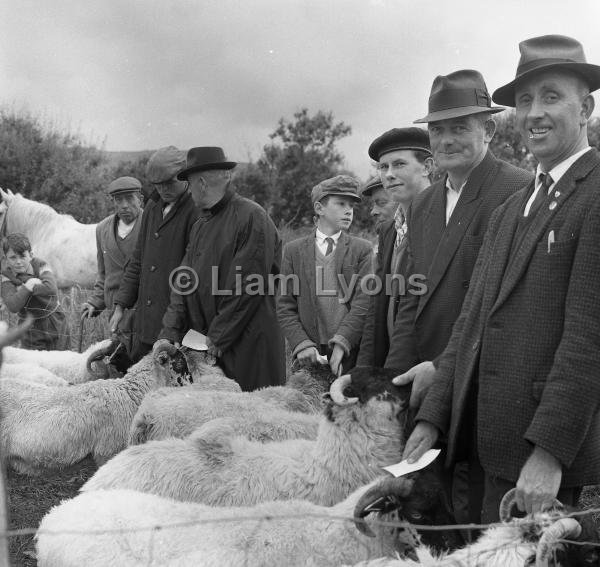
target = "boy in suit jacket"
x: 321, y: 305
x: 520, y: 373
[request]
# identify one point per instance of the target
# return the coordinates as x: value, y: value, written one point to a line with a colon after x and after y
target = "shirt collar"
x: 450, y: 188
x: 559, y: 170
x: 321, y: 237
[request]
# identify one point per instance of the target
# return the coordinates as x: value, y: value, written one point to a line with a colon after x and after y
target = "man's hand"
x: 335, y: 362
x: 538, y: 482
x: 307, y: 356
x: 31, y: 283
x: 212, y: 349
x: 422, y: 439
x: 115, y: 319
x: 422, y: 376
x: 87, y: 310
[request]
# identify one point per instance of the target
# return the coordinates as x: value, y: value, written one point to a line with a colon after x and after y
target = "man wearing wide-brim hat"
x: 521, y: 368
x: 166, y: 225
x: 233, y: 254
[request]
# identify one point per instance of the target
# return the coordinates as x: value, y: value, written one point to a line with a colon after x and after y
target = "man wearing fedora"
x: 404, y: 163
x: 164, y: 233
x: 520, y: 374
x: 234, y: 252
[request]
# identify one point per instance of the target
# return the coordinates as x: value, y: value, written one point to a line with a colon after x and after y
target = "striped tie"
x: 400, y: 223
x: 329, y: 250
x: 542, y: 194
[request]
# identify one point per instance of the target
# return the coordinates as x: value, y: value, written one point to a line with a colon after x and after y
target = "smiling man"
x: 517, y: 387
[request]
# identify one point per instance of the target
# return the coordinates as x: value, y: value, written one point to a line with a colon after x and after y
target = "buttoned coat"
x: 529, y: 330
x: 297, y: 309
x: 112, y: 259
x: 160, y: 247
x: 234, y: 252
x: 445, y: 256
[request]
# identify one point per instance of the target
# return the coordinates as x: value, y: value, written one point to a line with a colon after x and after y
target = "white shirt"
x: 123, y: 229
x: 452, y: 196
x: 322, y: 245
x: 556, y: 173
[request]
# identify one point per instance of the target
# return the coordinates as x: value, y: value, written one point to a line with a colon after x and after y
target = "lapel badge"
x: 557, y: 194
x: 552, y: 205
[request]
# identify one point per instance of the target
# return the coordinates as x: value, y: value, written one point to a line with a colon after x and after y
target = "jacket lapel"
x: 389, y: 237
x: 112, y: 247
x: 560, y: 194
x: 448, y: 242
x: 308, y: 266
x: 182, y: 201
x: 340, y: 251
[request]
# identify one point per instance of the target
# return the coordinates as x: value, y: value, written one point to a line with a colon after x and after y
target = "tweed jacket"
x: 529, y: 333
x: 446, y: 255
x: 297, y: 312
x: 160, y: 247
x: 112, y: 259
x: 234, y: 241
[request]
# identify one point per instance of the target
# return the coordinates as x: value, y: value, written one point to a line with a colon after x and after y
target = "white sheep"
x: 29, y: 373
x: 55, y: 427
x: 356, y: 438
x: 177, y: 413
x: 69, y: 365
x: 271, y: 534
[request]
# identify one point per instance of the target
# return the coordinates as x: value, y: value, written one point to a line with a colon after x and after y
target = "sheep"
x: 55, y: 427
x: 356, y: 437
x: 30, y: 373
x: 177, y: 413
x: 69, y: 365
x: 291, y: 533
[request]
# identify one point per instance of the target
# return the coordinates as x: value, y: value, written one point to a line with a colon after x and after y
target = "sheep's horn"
x: 564, y: 528
x: 509, y: 500
x: 373, y: 499
x: 97, y: 356
x: 336, y: 391
x: 14, y: 334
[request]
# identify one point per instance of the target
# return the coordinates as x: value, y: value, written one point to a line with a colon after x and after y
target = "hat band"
x: 456, y: 98
x: 531, y: 65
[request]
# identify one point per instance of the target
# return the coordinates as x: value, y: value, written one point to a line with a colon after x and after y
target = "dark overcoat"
x: 159, y: 250
x: 297, y: 312
x: 234, y: 245
x: 446, y: 255
x: 112, y: 258
x: 530, y: 331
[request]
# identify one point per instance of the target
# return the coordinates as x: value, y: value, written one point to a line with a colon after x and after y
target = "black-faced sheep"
x: 356, y: 437
x: 54, y: 427
x: 178, y: 413
x: 273, y: 534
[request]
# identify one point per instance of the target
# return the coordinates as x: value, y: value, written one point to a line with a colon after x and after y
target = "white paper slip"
x: 402, y: 468
x: 321, y: 359
x: 194, y: 340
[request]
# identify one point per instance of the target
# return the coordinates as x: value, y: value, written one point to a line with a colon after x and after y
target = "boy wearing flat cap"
x: 519, y: 377
x: 164, y: 233
x: 325, y: 312
x: 404, y: 162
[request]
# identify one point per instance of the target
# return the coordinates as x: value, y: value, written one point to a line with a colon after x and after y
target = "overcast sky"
x: 139, y: 74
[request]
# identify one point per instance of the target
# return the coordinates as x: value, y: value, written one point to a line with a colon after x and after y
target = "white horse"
x: 67, y: 245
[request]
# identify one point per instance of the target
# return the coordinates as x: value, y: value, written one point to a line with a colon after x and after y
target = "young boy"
x: 29, y: 287
x: 321, y: 307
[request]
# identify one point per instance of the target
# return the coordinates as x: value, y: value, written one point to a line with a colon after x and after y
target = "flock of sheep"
x: 195, y: 472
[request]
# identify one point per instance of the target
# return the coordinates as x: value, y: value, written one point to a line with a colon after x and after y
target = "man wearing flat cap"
x: 164, y: 233
x: 224, y: 292
x: 404, y: 163
x: 383, y: 207
x: 322, y: 316
x: 520, y: 373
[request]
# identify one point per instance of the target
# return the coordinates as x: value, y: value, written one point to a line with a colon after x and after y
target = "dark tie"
x: 329, y: 250
x: 546, y: 181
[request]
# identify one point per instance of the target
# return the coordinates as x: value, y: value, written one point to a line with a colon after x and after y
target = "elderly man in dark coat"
x: 166, y: 225
x: 224, y: 288
x: 518, y: 380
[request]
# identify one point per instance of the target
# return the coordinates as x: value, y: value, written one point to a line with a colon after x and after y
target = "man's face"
x: 198, y: 188
x: 128, y: 206
x: 19, y: 263
x: 171, y: 189
x: 383, y: 207
x: 550, y: 115
x: 458, y: 144
x: 402, y: 175
x: 336, y: 213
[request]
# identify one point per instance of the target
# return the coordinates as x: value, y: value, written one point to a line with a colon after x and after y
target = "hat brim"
x: 121, y: 191
x: 183, y: 174
x: 590, y: 73
x: 457, y: 113
x: 335, y: 194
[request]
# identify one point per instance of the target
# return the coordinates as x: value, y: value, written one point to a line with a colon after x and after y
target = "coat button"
x: 156, y: 235
x: 152, y: 268
x: 149, y: 302
x: 465, y: 284
x: 475, y: 345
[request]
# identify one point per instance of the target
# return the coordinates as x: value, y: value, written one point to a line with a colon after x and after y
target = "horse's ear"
x: 3, y: 193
